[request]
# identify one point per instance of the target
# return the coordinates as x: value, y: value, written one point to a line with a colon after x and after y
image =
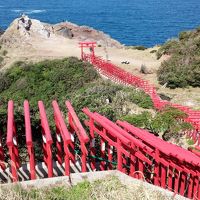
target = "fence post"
x: 163, y: 176
x: 92, y: 144
x: 103, y: 149
x: 29, y: 141
x: 77, y: 127
x: 132, y: 161
x: 119, y: 155
x: 61, y: 130
x: 12, y: 141
x: 47, y: 139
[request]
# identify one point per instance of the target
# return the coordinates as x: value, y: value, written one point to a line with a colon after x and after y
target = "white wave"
x: 34, y: 11
x: 17, y: 11
x: 28, y: 11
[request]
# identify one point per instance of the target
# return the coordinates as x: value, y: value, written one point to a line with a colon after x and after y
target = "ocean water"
x: 132, y: 22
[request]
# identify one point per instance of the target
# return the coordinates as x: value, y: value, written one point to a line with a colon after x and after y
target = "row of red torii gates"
x: 106, y: 145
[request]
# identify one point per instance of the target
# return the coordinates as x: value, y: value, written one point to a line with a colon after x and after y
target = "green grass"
x: 60, y: 192
x: 109, y: 188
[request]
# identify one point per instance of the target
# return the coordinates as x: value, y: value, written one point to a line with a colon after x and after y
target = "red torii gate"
x: 109, y: 145
x: 90, y: 45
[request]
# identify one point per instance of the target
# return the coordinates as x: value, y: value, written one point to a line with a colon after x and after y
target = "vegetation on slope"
x: 108, y: 189
x: 68, y: 79
x: 182, y: 69
x: 3, y: 53
x: 64, y: 79
x: 167, y: 123
x: 141, y: 48
x: 45, y: 81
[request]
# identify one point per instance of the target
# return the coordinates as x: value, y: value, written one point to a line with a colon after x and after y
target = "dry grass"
x: 112, y: 188
x: 106, y: 189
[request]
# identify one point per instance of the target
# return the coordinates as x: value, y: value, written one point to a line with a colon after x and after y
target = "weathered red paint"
x: 119, y: 75
x: 29, y: 141
x: 76, y: 128
x: 12, y: 142
x: 136, y: 152
x: 168, y: 165
x: 47, y: 139
x: 62, y: 132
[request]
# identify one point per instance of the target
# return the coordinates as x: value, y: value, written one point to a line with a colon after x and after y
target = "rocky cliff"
x: 23, y: 30
x: 1, y: 31
x: 85, y: 33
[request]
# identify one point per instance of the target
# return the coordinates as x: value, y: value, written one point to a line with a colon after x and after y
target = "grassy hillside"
x: 74, y: 80
x: 109, y: 188
x: 183, y: 68
x: 45, y: 81
x: 67, y: 79
x: 166, y: 123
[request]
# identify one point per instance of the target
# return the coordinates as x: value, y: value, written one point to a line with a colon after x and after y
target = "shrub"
x: 168, y: 123
x: 142, y: 99
x: 4, y: 82
x: 153, y: 51
x: 67, y: 79
x: 183, y: 67
x: 4, y: 53
x: 47, y: 80
x: 184, y: 35
x: 1, y: 59
x: 141, y: 48
x: 108, y: 99
x: 142, y: 120
x: 168, y: 48
x: 190, y: 142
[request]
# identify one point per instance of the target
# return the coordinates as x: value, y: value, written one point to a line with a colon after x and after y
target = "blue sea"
x: 132, y: 22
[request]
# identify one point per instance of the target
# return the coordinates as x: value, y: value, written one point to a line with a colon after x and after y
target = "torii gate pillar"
x: 90, y: 45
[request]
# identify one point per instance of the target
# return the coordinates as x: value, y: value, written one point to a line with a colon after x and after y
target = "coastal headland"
x: 34, y: 41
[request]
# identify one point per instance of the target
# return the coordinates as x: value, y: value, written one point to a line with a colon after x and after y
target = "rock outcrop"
x: 85, y: 33
x: 65, y: 32
x: 23, y: 30
x: 1, y: 31
x: 146, y: 70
